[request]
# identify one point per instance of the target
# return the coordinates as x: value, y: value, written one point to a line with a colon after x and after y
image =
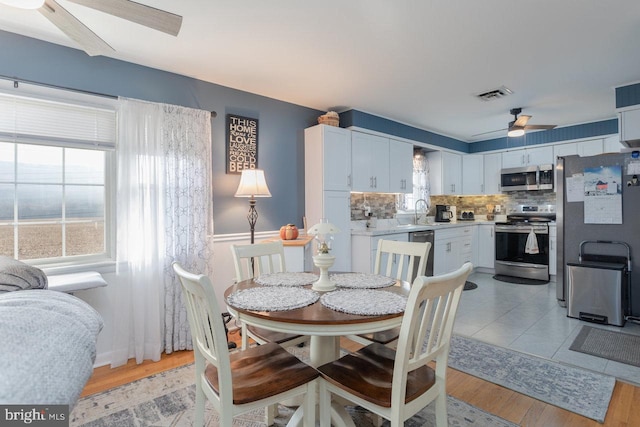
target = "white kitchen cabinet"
x: 629, y: 124
x: 445, y: 173
x: 328, y: 153
x: 369, y: 162
x: 473, y: 175
x: 492, y: 166
x: 612, y: 144
x: 400, y: 167
x: 485, y: 246
x: 365, y: 248
x: 528, y: 157
x: 327, y: 169
x: 481, y: 173
x: 452, y: 248
x: 553, y: 255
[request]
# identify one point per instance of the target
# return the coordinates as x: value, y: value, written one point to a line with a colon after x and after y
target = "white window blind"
x: 45, y: 122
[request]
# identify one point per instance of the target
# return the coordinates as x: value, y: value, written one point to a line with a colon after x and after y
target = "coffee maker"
x: 443, y: 213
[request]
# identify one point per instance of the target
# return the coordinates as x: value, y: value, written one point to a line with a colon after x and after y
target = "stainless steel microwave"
x: 539, y: 177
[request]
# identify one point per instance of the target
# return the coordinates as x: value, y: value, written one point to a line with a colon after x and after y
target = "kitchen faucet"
x: 426, y: 206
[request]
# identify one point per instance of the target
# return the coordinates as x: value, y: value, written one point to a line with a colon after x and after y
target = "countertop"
x: 302, y: 240
x: 382, y: 229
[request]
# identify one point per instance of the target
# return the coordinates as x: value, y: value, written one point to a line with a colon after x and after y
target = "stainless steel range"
x: 522, y: 243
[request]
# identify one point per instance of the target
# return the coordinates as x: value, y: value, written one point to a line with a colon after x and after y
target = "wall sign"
x: 242, y: 143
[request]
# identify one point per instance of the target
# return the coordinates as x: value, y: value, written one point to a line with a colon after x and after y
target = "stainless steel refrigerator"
x: 572, y: 228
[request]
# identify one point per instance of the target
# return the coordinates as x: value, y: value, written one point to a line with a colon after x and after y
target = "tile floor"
x: 528, y: 318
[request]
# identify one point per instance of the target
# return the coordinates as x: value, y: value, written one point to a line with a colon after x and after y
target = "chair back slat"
x: 267, y: 258
x: 397, y: 259
x: 427, y: 325
x: 207, y: 327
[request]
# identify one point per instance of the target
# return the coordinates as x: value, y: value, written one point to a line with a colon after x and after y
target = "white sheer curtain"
x: 163, y: 215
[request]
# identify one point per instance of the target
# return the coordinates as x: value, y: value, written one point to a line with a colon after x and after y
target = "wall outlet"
x: 498, y: 209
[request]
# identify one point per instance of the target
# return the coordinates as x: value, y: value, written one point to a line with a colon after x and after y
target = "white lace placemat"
x: 361, y: 280
x: 286, y: 279
x: 272, y: 298
x: 365, y: 302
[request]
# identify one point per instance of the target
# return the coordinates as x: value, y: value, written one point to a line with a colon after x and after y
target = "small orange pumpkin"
x: 289, y: 232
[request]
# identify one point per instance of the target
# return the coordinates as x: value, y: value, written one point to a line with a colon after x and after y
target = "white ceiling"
x: 420, y: 62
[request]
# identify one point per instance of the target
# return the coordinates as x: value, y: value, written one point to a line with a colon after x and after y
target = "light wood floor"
x: 520, y: 409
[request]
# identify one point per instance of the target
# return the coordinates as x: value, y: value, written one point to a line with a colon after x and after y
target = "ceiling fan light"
x: 23, y: 4
x: 514, y: 133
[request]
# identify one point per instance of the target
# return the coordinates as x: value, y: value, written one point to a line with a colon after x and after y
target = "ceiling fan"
x: 518, y: 125
x: 88, y: 40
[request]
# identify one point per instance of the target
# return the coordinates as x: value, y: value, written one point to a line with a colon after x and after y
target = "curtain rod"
x: 17, y: 80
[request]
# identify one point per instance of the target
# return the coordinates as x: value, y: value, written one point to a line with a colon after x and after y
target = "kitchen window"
x: 56, y: 180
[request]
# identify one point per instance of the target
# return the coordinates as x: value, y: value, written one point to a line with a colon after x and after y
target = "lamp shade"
x: 515, y: 131
x: 252, y: 184
x: 323, y: 228
x: 23, y: 4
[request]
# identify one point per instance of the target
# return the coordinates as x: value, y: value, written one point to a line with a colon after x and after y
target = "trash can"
x: 596, y: 291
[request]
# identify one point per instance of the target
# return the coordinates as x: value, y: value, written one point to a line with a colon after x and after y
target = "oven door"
x: 512, y: 256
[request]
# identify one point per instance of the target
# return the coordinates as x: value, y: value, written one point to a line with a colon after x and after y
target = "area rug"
x: 577, y: 390
x: 168, y: 399
x: 612, y: 345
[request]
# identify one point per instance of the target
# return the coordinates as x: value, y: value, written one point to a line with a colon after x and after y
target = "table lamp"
x: 252, y: 185
x: 323, y: 232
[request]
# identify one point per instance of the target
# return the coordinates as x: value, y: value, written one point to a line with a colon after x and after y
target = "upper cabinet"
x: 445, y: 173
x: 612, y: 144
x: 370, y: 162
x: 492, y: 166
x: 328, y: 149
x: 473, y: 176
x: 481, y: 173
x: 400, y: 167
x: 591, y: 147
x: 629, y: 124
x: 528, y: 157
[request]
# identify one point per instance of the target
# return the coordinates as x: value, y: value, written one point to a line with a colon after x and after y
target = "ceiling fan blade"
x: 148, y: 16
x: 486, y: 133
x: 527, y: 127
x: 74, y: 29
x: 521, y: 121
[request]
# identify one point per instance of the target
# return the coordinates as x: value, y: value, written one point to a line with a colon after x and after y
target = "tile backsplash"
x: 384, y: 206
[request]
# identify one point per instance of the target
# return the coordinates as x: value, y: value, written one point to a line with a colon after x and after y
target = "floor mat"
x: 519, y: 280
x: 612, y: 345
x: 468, y: 286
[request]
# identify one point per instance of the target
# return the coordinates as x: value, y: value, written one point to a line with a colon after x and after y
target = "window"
x: 56, y: 181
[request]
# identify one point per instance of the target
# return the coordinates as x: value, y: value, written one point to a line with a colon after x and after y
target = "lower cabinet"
x: 553, y: 254
x: 364, y: 249
x: 485, y: 246
x: 452, y: 248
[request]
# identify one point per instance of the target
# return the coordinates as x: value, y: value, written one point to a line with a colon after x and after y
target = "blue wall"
x: 587, y: 130
x: 379, y: 124
x: 281, y: 126
x: 628, y: 95
x: 369, y: 121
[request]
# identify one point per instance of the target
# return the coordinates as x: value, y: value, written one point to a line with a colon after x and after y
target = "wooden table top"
x: 316, y: 313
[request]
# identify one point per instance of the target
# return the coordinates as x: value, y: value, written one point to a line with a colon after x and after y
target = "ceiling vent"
x: 501, y: 92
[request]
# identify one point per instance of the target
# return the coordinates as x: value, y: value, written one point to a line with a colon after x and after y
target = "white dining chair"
x: 396, y: 384
x: 251, y: 261
x: 398, y: 260
x: 242, y: 381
